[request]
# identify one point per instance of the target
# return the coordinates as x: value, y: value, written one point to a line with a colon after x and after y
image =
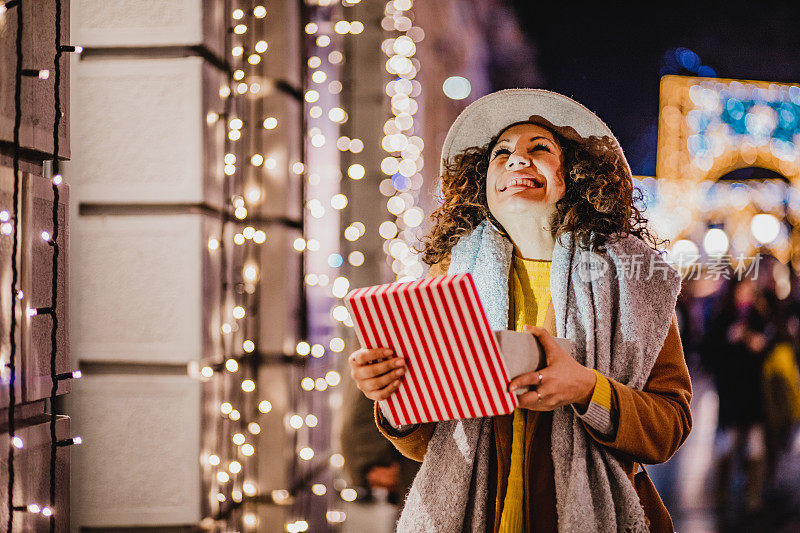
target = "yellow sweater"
x: 529, y: 295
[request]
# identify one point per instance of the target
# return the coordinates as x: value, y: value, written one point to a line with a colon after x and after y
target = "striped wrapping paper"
x: 453, y: 364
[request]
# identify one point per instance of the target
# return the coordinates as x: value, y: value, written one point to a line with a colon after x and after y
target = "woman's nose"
x: 517, y: 161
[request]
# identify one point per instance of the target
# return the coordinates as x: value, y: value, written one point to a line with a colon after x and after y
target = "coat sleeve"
x: 652, y: 423
x: 413, y: 444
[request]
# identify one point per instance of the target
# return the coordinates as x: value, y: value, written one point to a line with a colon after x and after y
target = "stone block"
x: 143, y: 135
x: 121, y: 23
x: 148, y: 287
x: 138, y: 464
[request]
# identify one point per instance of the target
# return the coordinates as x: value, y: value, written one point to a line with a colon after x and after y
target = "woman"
x: 538, y: 205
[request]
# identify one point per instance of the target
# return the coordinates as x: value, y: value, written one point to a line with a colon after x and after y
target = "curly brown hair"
x: 598, y: 207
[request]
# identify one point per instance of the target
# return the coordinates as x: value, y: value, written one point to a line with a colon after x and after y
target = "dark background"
x: 610, y: 57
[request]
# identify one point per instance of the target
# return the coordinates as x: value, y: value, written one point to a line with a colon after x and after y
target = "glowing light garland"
x: 404, y: 162
x: 11, y: 227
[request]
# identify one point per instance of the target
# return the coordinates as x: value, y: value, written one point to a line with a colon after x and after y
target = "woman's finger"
x: 367, y: 355
x: 529, y: 379
x: 374, y: 384
x: 543, y: 335
x: 373, y: 370
x: 385, y: 392
x: 534, y: 401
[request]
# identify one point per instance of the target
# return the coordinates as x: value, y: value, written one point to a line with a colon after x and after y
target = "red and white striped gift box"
x: 453, y: 364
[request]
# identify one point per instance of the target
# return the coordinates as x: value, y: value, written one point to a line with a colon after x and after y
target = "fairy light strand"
x: 54, y: 275
x: 14, y: 274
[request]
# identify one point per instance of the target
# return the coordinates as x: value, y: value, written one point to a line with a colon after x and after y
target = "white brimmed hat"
x: 487, y: 116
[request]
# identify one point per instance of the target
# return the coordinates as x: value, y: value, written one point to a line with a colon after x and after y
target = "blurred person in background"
x: 738, y: 338
x: 371, y: 462
x: 780, y: 374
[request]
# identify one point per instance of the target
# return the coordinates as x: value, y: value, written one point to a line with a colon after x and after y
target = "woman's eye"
x: 500, y: 151
x: 540, y: 147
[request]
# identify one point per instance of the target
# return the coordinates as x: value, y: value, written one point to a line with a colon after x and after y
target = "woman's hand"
x: 377, y: 372
x: 563, y: 381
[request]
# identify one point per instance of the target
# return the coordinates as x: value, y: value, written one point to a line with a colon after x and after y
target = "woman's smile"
x: 521, y: 180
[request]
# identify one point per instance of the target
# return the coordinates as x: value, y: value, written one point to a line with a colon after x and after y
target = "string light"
x: 11, y: 229
x: 42, y: 74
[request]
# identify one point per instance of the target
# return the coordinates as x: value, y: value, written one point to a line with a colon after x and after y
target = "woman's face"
x: 525, y: 170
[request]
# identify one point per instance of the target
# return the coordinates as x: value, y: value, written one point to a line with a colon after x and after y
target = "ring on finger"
x: 538, y: 396
x: 541, y: 377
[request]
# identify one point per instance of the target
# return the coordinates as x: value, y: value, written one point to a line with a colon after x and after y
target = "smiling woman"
x: 521, y: 169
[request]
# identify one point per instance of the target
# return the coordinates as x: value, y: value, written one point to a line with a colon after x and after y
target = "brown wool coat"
x: 651, y: 425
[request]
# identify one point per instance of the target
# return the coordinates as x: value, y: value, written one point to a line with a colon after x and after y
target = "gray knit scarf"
x: 616, y: 307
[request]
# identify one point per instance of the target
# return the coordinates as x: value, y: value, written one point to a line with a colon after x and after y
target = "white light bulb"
x: 333, y: 378
x: 249, y: 488
x: 306, y: 453
x: 356, y: 171
x: 250, y: 520
x: 715, y: 242
x: 765, y: 227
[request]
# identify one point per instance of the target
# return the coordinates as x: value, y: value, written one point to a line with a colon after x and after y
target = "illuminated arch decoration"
x: 709, y: 127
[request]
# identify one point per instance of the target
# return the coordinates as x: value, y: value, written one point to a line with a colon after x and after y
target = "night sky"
x: 610, y: 58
